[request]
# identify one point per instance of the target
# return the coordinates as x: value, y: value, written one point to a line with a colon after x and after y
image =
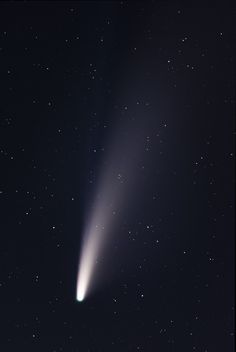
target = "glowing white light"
x: 93, y: 240
x: 80, y: 294
x: 86, y: 265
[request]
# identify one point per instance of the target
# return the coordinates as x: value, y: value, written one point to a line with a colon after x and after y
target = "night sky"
x: 117, y: 113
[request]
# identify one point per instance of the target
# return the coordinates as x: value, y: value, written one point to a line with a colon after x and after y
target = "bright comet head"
x: 81, y: 288
x: 85, y: 268
x: 80, y: 296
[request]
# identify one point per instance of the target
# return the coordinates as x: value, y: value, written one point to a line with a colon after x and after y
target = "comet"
x: 114, y: 189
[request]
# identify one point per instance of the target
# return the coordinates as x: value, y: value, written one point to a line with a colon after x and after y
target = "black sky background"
x: 70, y: 72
